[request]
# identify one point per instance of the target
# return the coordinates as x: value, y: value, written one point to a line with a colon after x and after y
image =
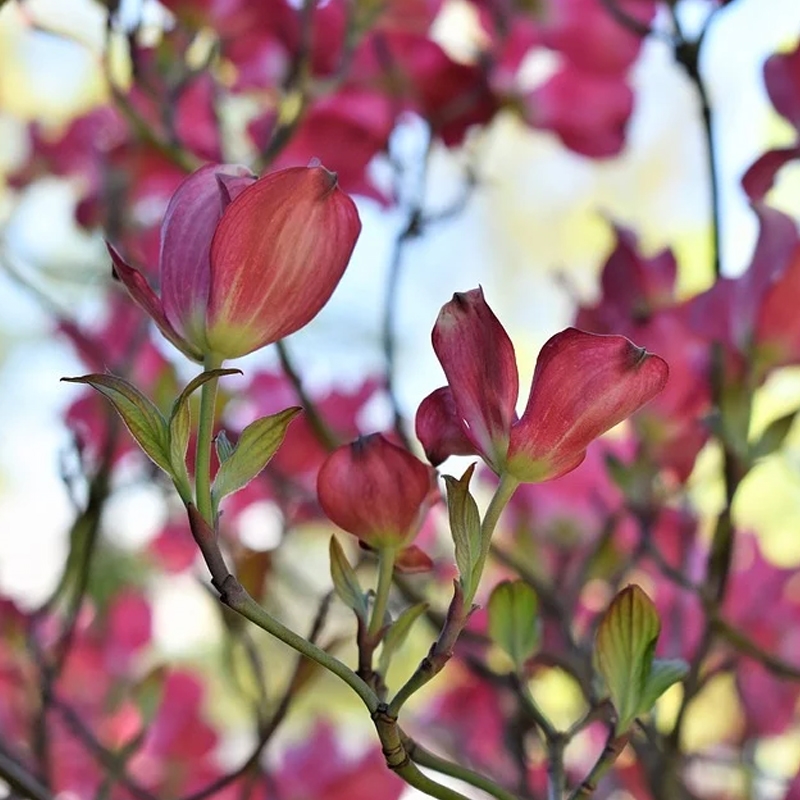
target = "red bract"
x: 638, y: 300
x: 375, y: 490
x: 752, y: 316
x: 777, y: 330
x: 587, y: 102
x: 419, y: 76
x: 583, y: 385
x: 782, y: 78
x: 589, y: 36
x: 345, y: 131
x: 245, y: 262
x: 588, y: 112
x: 633, y: 286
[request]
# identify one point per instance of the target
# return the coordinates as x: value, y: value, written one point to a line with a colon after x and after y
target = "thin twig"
x: 104, y: 757
x: 745, y: 645
x: 325, y: 436
x: 687, y: 54
x: 19, y: 778
x: 425, y: 758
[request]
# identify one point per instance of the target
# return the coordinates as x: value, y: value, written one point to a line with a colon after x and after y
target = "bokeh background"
x: 533, y: 232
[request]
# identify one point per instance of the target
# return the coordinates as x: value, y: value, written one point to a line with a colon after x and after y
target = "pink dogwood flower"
x: 583, y: 385
x: 245, y: 261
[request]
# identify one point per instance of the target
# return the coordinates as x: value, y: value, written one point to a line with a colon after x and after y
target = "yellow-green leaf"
x: 626, y: 639
x: 345, y: 581
x: 180, y: 418
x: 141, y: 417
x: 465, y: 527
x: 256, y: 446
x: 514, y: 620
x: 397, y: 634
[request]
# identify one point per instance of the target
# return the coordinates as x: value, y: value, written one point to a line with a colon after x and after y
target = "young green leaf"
x: 256, y: 446
x: 465, y: 526
x: 514, y: 620
x: 180, y: 418
x: 145, y: 422
x: 397, y: 634
x: 663, y: 673
x: 626, y: 639
x: 345, y: 581
x: 224, y: 447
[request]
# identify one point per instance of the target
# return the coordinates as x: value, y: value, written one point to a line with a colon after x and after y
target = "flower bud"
x: 245, y: 262
x: 375, y: 490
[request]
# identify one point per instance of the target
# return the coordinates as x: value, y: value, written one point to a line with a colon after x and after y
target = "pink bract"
x: 376, y: 490
x: 583, y: 385
x: 245, y: 262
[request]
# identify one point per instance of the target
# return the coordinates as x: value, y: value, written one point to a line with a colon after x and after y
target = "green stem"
x: 205, y: 431
x: 461, y: 605
x: 556, y: 778
x: 398, y: 759
x: 386, y: 558
x: 413, y: 776
x: 425, y: 758
x: 508, y: 485
x: 235, y: 596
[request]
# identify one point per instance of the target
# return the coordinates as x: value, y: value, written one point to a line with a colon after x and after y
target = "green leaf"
x: 465, y: 527
x: 663, y: 673
x: 626, y: 639
x: 180, y: 418
x: 774, y: 436
x: 345, y: 581
x: 514, y: 620
x: 145, y: 422
x: 224, y: 447
x: 256, y: 446
x: 397, y: 634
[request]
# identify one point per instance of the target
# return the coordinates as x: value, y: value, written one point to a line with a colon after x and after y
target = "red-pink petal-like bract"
x: 583, y: 385
x: 375, y: 490
x: 440, y: 428
x: 245, y: 262
x: 193, y: 213
x: 478, y: 359
x: 278, y: 253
